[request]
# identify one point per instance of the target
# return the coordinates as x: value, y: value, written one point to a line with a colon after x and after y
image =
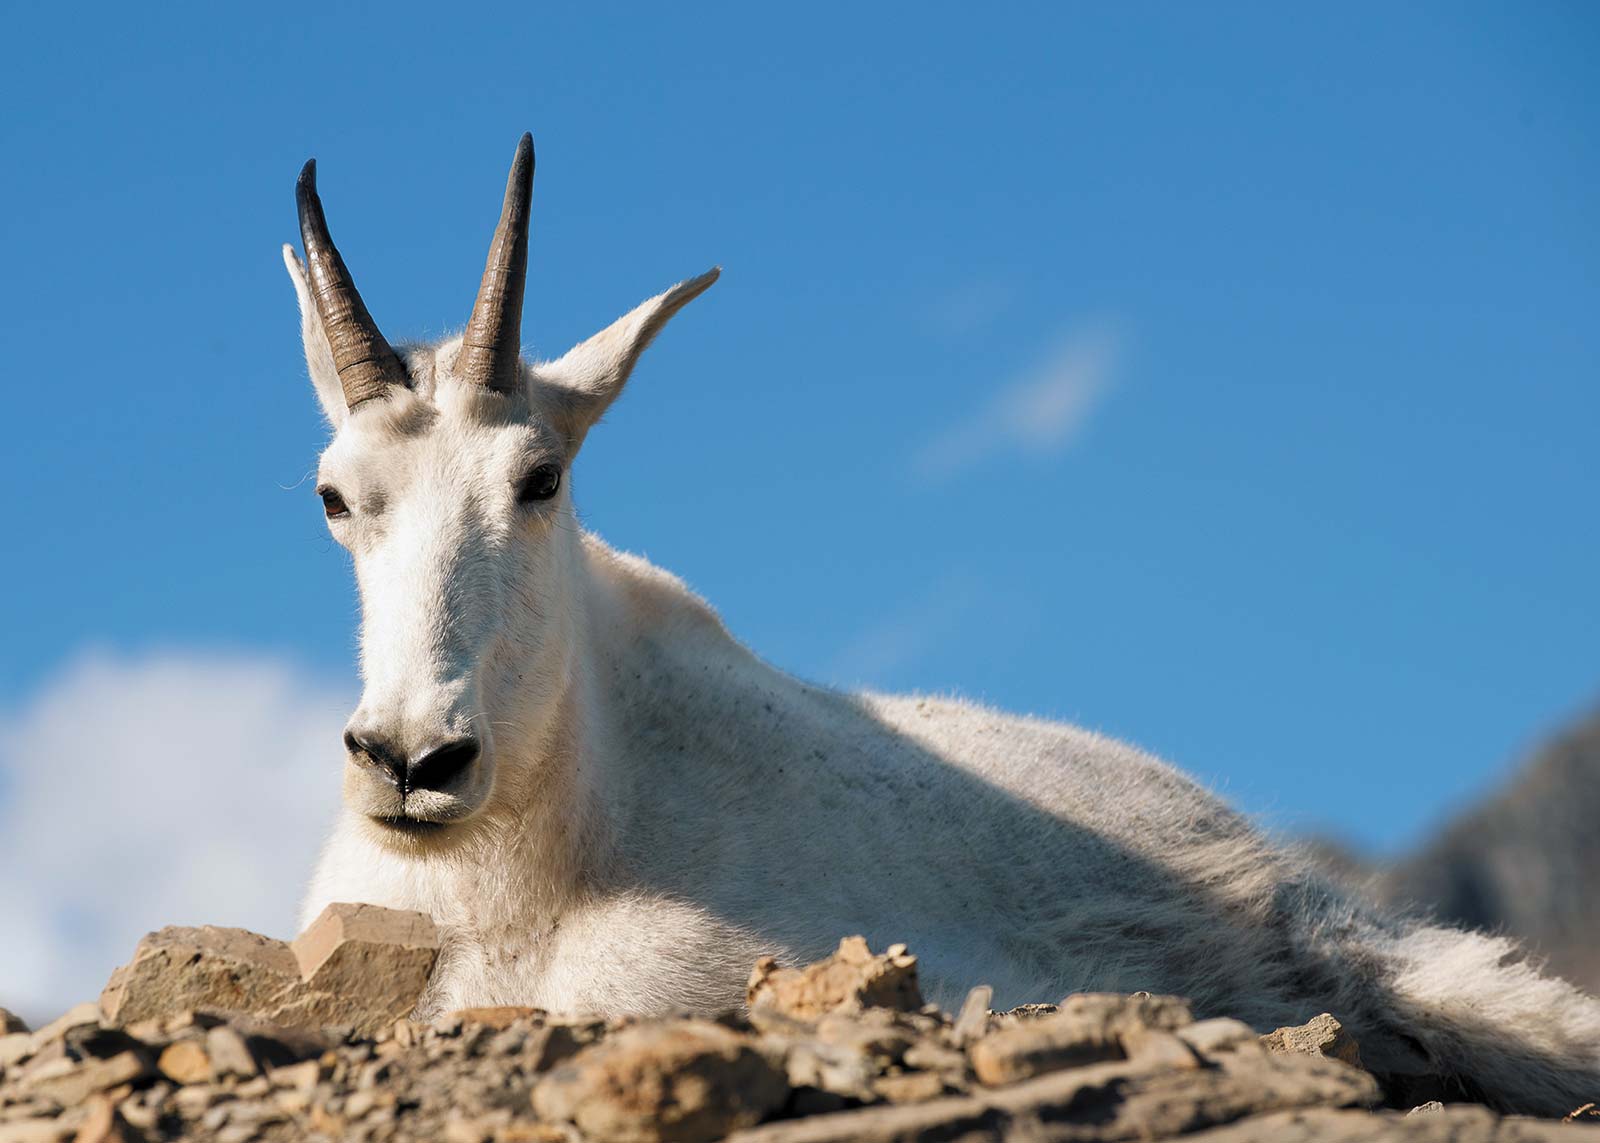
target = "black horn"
x: 491, y: 347
x: 367, y: 365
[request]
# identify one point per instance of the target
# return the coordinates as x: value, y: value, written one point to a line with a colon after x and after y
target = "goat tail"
x: 1467, y: 1015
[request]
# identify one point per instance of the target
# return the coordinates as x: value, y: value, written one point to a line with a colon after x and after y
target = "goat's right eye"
x: 332, y: 503
x: 540, y: 484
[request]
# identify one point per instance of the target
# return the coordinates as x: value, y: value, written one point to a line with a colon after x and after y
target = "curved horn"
x: 366, y: 364
x: 491, y: 347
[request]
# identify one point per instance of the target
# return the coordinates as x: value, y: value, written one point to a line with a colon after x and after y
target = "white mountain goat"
x: 611, y: 805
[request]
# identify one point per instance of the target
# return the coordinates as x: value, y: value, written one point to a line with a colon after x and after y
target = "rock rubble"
x: 217, y: 1034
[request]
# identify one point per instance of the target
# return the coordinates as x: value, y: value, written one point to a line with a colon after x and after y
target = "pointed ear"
x: 319, y: 355
x: 592, y: 373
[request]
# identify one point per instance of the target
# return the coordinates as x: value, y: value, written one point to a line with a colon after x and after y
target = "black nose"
x: 437, y: 767
x: 432, y: 769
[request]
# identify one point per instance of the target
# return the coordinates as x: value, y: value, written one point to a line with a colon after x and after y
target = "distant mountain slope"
x: 1526, y: 861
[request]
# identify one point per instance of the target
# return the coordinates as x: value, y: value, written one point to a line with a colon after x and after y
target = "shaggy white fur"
x: 653, y: 806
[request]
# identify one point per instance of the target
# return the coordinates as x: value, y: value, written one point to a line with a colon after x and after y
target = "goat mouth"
x: 405, y: 823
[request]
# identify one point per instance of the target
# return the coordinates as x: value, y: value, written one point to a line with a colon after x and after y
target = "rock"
x: 81, y: 1015
x: 1154, y: 1048
x: 302, y: 1077
x: 357, y: 965
x: 178, y: 969
x: 277, y: 1045
x: 499, y: 1018
x: 1028, y: 1012
x: 72, y: 1085
x: 1100, y: 1067
x: 91, y: 1041
x: 1089, y: 1027
x: 35, y: 1131
x: 10, y: 1022
x: 230, y: 1055
x: 664, y: 1083
x: 844, y: 1055
x: 185, y: 1061
x: 1111, y: 1101
x: 14, y: 1048
x: 1321, y: 1035
x: 974, y: 1018
x: 546, y: 1047
x: 1217, y: 1035
x: 105, y: 1124
x: 1426, y: 1108
x: 362, y: 965
x: 1456, y: 1124
x: 848, y: 981
x: 159, y: 1029
x: 908, y: 1087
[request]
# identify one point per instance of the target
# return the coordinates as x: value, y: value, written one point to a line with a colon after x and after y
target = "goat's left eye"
x: 332, y: 503
x: 543, y: 482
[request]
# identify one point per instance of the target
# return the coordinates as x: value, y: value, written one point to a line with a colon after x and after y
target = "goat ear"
x: 319, y: 354
x: 591, y: 374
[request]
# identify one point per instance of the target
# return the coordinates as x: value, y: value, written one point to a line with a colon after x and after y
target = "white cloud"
x: 906, y: 634
x: 971, y: 307
x: 179, y: 788
x: 1040, y: 413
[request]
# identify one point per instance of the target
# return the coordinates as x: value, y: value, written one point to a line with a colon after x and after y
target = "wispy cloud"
x: 1040, y: 413
x: 907, y: 633
x: 971, y: 307
x: 182, y: 788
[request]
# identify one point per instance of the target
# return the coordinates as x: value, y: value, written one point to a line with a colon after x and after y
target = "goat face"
x: 446, y: 480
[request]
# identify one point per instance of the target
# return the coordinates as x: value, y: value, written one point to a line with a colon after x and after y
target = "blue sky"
x: 1222, y: 377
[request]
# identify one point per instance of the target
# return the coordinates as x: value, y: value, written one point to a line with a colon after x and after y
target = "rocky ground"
x: 217, y: 1034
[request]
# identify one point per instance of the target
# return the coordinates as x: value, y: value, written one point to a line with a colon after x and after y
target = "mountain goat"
x: 609, y: 804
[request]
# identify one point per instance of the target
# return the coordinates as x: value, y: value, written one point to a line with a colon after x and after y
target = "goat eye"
x: 332, y: 503
x: 540, y: 484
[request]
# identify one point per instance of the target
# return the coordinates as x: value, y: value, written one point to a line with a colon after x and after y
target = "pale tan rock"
x: 185, y: 1061
x: 1089, y: 1027
x: 909, y: 1087
x: 676, y: 1082
x: 973, y: 1020
x: 358, y: 966
x: 105, y: 1124
x: 35, y: 1131
x: 477, y: 1129
x: 177, y: 969
x: 73, y: 1085
x: 499, y: 1018
x: 1156, y: 1048
x: 301, y: 1077
x: 14, y: 1048
x: 848, y: 981
x: 1321, y: 1035
x: 363, y: 966
x: 230, y: 1055
x: 192, y: 1101
x: 531, y: 1133
x: 79, y: 1015
x: 1220, y: 1034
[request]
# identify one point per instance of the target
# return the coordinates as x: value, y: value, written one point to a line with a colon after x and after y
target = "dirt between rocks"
x: 217, y: 1034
